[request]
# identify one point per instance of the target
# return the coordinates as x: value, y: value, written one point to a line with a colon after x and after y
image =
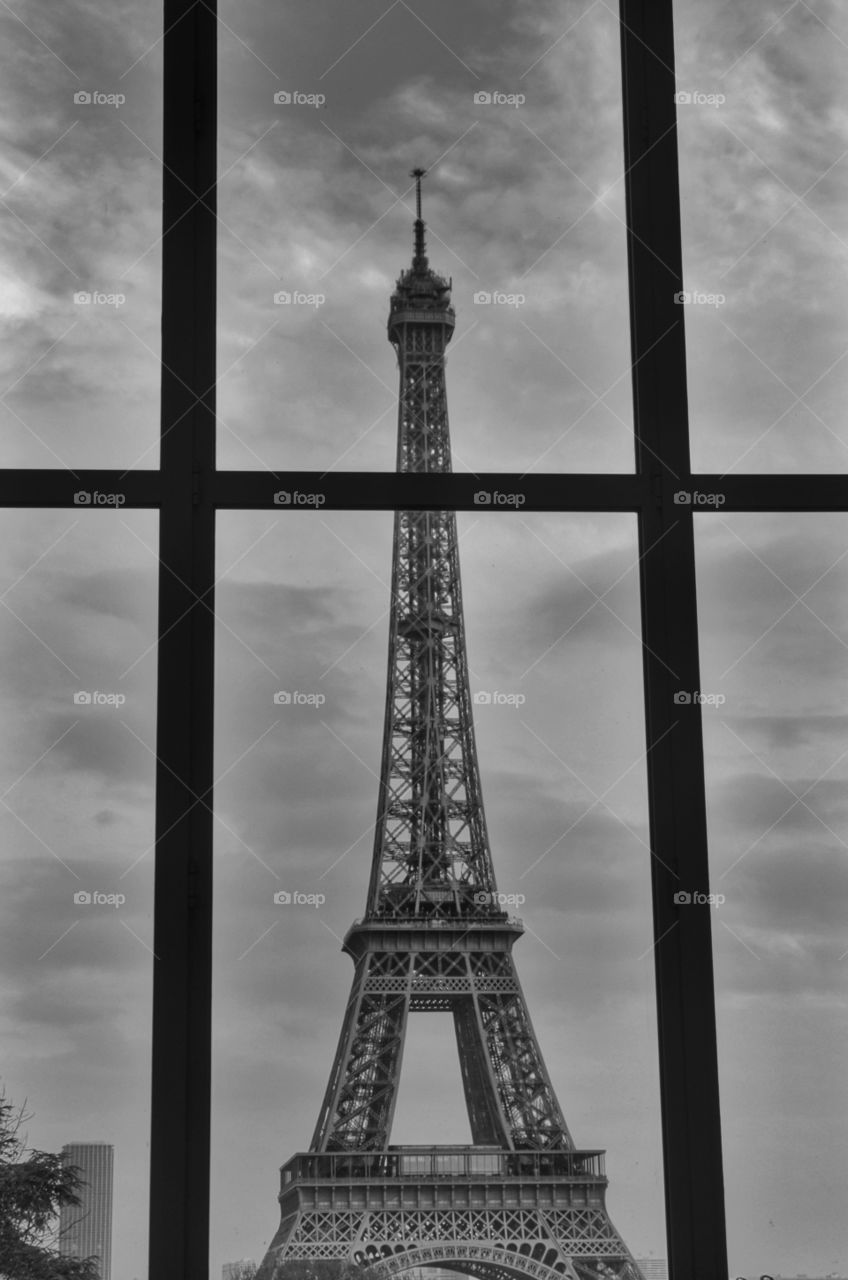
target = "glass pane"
x: 83, y: 210
x: 77, y: 637
x: 324, y: 112
x: 763, y: 140
x: 552, y: 616
x: 772, y: 596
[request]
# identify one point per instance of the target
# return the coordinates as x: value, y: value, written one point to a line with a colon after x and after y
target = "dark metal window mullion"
x: 182, y: 975
x: 695, y: 1211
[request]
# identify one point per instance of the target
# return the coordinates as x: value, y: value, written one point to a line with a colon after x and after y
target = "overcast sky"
x: 525, y: 201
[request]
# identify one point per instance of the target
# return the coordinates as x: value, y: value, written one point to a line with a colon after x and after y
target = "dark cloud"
x: 106, y: 818
x: 786, y: 731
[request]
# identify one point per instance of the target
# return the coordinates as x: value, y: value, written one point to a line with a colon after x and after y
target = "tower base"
x: 488, y: 1213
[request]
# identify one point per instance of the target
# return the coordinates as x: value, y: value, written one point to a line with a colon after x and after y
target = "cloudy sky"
x: 525, y: 201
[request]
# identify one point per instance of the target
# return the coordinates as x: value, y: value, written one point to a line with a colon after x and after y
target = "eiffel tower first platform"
x: 522, y: 1200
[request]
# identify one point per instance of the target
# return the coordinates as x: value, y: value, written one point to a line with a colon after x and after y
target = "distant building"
x: 653, y: 1268
x: 86, y: 1229
x: 244, y: 1270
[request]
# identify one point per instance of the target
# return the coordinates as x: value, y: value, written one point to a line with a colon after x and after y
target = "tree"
x: 319, y: 1269
x: 34, y: 1185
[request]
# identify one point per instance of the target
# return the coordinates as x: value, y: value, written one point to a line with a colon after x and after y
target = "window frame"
x: 187, y: 490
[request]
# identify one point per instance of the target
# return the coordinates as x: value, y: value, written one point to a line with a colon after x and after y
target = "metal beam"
x: 37, y: 487
x: 393, y: 491
x: 416, y: 491
x: 695, y: 1215
x: 182, y: 982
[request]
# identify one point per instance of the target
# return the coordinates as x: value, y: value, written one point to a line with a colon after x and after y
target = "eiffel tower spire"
x: 419, y: 257
x: 435, y: 938
x: 431, y: 849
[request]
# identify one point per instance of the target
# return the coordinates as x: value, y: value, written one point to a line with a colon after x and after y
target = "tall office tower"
x: 86, y: 1229
x: 654, y: 1268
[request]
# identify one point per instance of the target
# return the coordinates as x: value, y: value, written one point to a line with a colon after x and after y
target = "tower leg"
x: 360, y: 1099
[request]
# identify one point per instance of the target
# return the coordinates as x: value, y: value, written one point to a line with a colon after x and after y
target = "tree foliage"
x: 317, y: 1269
x: 34, y: 1185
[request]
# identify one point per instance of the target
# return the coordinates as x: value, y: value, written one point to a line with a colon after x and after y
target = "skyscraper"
x: 653, y: 1268
x: 244, y: 1270
x: 86, y: 1229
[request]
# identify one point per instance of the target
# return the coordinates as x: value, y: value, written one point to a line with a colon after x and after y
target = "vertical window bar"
x: 179, y: 1201
x: 675, y: 765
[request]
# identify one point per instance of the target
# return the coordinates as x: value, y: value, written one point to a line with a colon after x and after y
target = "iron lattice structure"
x: 522, y: 1201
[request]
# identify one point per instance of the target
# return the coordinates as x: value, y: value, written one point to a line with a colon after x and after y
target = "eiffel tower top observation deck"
x: 421, y: 297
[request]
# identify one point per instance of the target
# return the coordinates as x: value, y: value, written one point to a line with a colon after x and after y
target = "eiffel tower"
x: 522, y: 1200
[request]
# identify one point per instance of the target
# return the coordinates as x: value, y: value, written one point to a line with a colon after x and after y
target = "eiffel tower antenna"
x: 420, y: 258
x: 418, y: 174
x: 522, y: 1202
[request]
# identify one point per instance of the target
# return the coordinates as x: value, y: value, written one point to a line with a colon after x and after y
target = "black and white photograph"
x: 424, y: 640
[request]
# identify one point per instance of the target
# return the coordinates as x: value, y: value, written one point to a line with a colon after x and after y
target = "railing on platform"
x: 442, y: 1162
